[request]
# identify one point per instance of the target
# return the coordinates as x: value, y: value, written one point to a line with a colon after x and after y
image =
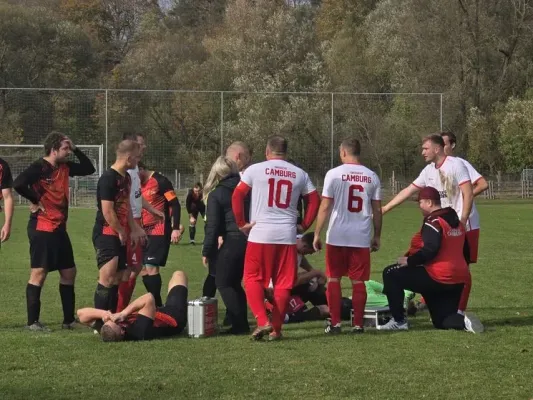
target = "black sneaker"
x: 358, y: 329
x: 332, y: 329
x: 72, y: 325
x: 38, y: 327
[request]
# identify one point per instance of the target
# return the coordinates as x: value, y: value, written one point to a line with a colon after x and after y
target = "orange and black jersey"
x: 112, y: 186
x: 42, y: 182
x: 158, y: 191
x: 6, y: 180
x: 140, y: 327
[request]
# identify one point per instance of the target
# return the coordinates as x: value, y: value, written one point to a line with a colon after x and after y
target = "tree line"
x: 476, y: 52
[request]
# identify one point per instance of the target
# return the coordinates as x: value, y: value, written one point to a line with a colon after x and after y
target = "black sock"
x: 68, y: 301
x: 113, y: 298
x: 192, y: 232
x: 33, y: 302
x: 101, y: 297
x: 210, y: 287
x: 153, y: 284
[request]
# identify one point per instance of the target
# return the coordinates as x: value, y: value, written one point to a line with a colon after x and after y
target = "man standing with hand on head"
x: 352, y: 196
x: 271, y: 253
x: 45, y: 183
x: 6, y: 193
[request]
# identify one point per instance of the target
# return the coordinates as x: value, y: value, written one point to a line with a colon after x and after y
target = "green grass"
x: 421, y: 363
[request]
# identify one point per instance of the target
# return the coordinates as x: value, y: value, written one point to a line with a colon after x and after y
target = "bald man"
x: 240, y: 153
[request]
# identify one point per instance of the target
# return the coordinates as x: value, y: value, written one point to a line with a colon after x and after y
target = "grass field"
x: 421, y: 363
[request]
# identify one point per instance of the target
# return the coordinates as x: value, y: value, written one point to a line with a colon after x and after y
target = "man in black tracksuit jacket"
x: 229, y: 259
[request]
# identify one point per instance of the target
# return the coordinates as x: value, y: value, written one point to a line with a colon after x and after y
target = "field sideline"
x: 422, y: 363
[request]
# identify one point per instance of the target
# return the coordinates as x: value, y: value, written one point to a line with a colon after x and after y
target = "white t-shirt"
x: 446, y: 178
x: 473, y: 220
x: 352, y: 188
x: 276, y: 187
x: 136, y: 202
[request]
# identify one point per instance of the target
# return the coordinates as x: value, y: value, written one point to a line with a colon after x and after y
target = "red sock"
x: 358, y: 303
x: 255, y: 295
x: 465, y: 295
x: 125, y: 291
x: 334, y: 296
x: 281, y: 300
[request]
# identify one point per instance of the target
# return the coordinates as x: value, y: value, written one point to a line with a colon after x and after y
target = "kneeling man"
x: 142, y: 320
x: 438, y: 270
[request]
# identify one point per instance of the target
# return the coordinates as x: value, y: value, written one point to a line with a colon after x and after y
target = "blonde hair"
x: 222, y: 168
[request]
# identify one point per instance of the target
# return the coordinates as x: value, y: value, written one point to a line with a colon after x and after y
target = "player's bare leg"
x: 152, y: 282
x: 67, y: 277
x: 358, y: 304
x: 334, y: 296
x: 33, y: 299
x: 179, y: 278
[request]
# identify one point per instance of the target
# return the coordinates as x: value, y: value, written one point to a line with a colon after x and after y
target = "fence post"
x: 106, y: 128
x: 331, y: 129
x: 221, y: 123
x: 441, y: 116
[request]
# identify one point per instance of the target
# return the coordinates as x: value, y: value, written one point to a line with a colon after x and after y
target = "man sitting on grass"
x: 142, y: 320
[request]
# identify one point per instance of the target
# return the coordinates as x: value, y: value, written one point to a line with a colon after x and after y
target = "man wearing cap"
x: 437, y: 270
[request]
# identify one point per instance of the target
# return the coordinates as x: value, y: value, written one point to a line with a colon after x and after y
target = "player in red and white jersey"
x: 473, y: 227
x: 446, y: 174
x: 134, y: 257
x: 479, y: 186
x: 351, y: 199
x: 450, y: 177
x: 271, y: 251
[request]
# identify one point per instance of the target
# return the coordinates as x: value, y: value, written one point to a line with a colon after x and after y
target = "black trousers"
x: 228, y: 279
x: 442, y: 299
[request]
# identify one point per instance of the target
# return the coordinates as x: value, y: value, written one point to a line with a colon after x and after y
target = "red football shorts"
x: 264, y: 262
x: 353, y: 262
x: 472, y: 238
x: 134, y: 257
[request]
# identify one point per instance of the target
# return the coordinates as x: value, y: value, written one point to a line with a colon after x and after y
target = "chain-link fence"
x: 186, y: 130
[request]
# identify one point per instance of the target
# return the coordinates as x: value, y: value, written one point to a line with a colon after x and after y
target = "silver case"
x: 374, y: 316
x: 202, y: 317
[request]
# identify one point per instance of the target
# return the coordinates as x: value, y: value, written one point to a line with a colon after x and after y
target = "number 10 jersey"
x: 352, y: 187
x: 276, y: 188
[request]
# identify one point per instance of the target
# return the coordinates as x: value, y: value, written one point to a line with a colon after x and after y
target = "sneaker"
x: 261, y: 331
x: 38, y: 327
x: 72, y: 325
x: 192, y: 242
x: 473, y: 324
x: 274, y: 337
x: 392, y: 325
x: 332, y: 329
x: 358, y: 329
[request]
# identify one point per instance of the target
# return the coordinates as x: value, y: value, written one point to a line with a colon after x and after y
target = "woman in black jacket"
x: 229, y: 259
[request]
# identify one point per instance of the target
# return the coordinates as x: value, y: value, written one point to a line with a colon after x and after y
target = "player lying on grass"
x: 438, y: 270
x: 310, y: 288
x: 142, y: 320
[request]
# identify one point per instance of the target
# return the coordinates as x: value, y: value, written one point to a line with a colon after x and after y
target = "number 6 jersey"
x: 276, y: 187
x: 352, y: 187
